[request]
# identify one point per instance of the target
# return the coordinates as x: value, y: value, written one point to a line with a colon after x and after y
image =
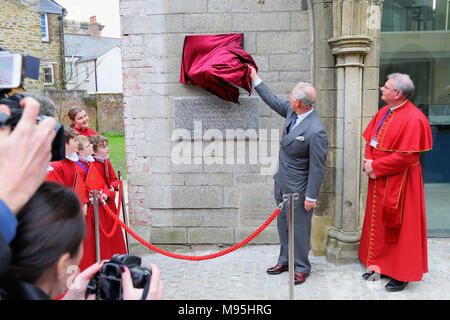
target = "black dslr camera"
x: 107, y: 283
x: 13, y: 68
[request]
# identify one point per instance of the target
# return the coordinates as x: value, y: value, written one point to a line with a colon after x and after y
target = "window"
x: 48, y: 74
x: 415, y: 39
x: 44, y: 27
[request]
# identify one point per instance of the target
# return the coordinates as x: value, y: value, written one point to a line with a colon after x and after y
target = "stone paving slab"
x: 241, y: 275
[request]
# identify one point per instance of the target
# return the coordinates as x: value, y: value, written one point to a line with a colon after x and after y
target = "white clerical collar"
x: 393, y: 108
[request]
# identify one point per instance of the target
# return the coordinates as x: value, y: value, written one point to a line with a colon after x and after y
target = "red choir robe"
x: 65, y: 173
x: 217, y: 63
x: 394, y: 235
x: 89, y: 256
x: 100, y: 179
x: 86, y: 132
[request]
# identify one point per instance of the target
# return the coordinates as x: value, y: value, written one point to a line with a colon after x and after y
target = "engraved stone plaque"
x: 215, y: 113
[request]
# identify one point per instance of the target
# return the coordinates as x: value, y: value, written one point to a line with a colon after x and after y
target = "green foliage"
x: 117, y: 154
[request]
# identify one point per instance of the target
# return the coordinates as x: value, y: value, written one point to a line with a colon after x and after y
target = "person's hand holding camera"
x: 156, y: 285
x: 24, y: 155
x: 77, y: 289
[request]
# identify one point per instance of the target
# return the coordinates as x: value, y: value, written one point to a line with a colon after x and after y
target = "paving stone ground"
x: 241, y: 275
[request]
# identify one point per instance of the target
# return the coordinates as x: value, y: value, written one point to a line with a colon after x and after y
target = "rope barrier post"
x: 97, y: 228
x: 124, y: 211
x: 291, y: 198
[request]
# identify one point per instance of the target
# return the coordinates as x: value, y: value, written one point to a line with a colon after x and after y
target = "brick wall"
x: 105, y: 110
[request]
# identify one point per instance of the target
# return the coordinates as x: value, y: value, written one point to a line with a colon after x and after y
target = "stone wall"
x: 20, y: 32
x: 51, y: 51
x: 208, y: 201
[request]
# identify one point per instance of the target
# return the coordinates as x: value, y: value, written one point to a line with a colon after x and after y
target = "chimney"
x: 94, y: 27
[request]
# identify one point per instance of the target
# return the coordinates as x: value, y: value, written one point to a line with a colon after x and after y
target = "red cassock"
x: 64, y: 172
x: 111, y: 237
x: 394, y: 235
x: 217, y: 63
x: 86, y: 132
x: 89, y: 257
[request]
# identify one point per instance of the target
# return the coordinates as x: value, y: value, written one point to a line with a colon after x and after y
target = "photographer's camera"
x: 107, y: 283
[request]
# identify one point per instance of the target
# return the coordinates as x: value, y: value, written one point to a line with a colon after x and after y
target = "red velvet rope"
x: 193, y: 258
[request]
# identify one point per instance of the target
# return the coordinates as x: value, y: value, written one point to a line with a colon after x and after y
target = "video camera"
x: 107, y: 283
x: 14, y: 67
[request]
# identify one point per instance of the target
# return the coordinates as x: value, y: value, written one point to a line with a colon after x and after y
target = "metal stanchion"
x: 97, y: 228
x: 124, y: 212
x: 290, y: 218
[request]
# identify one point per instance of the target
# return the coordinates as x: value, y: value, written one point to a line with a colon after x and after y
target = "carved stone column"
x: 352, y: 41
x: 343, y: 238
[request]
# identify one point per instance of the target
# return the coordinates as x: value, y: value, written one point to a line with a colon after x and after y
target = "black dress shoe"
x: 371, y: 275
x: 395, y: 285
x: 277, y: 269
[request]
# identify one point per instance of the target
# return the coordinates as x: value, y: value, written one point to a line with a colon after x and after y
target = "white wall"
x: 109, y: 72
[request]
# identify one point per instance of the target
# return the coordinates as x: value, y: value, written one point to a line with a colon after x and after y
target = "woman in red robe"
x: 394, y: 236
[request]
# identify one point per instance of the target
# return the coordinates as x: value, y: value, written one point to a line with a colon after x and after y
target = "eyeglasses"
x: 90, y: 144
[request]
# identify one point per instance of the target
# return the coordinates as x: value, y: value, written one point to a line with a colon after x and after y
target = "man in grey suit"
x: 301, y: 167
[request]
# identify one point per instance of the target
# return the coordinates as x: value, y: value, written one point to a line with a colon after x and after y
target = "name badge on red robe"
x: 374, y: 142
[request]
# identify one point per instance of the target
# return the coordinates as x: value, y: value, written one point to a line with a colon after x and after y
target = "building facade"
x: 93, y: 62
x: 33, y: 27
x: 207, y: 199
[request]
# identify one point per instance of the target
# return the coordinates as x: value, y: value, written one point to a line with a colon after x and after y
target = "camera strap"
x: 146, y: 289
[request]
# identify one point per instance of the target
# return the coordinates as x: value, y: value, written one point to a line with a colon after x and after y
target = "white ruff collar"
x: 89, y: 158
x: 101, y: 159
x: 72, y: 157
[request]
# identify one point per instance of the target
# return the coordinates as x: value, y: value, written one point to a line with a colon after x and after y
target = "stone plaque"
x: 215, y: 113
x: 256, y: 204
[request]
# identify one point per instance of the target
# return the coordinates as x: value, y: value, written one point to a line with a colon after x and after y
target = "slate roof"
x: 88, y: 48
x: 50, y: 6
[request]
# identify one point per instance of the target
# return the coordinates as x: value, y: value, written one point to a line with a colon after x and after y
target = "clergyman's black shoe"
x: 371, y: 275
x: 395, y: 285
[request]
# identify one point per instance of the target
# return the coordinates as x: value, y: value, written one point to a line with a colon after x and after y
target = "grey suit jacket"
x: 303, y: 150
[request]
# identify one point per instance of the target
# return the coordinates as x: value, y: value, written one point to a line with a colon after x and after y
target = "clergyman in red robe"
x: 394, y: 236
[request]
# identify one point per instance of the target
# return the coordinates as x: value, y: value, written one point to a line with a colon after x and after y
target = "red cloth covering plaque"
x: 217, y: 63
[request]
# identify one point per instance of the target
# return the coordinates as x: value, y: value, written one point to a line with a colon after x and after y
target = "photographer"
x: 48, y: 247
x: 24, y: 157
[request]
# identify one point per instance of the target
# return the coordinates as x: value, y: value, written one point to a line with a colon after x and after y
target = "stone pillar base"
x: 342, y: 248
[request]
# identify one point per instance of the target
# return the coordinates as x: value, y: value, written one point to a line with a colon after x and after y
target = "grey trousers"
x: 302, y: 232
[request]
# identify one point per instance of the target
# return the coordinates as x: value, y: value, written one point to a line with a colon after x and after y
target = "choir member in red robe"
x: 80, y: 121
x: 217, y: 63
x: 64, y: 171
x: 85, y: 152
x: 394, y: 236
x: 104, y: 178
